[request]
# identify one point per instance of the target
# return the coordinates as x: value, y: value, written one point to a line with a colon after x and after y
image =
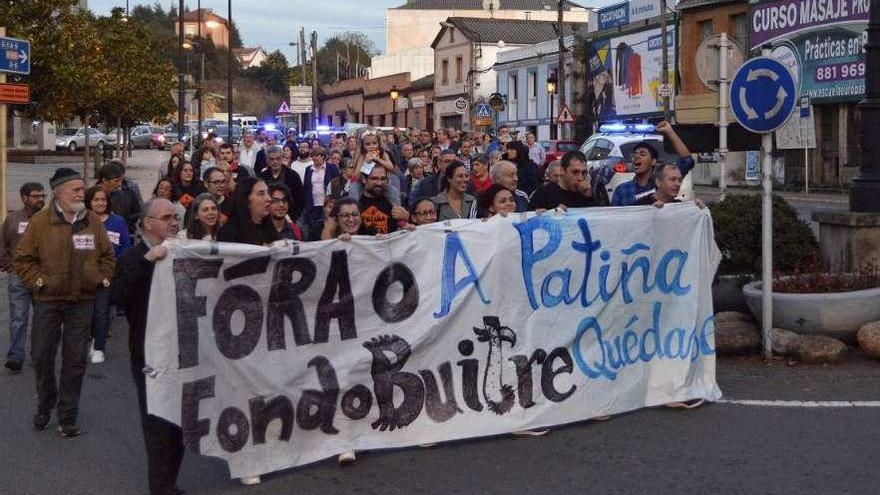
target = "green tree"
x: 141, y: 80
x: 273, y: 73
x: 352, y: 50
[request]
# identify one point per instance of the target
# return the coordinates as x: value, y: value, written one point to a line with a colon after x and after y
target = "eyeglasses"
x: 278, y: 201
x: 169, y: 218
x: 346, y: 216
x: 426, y: 213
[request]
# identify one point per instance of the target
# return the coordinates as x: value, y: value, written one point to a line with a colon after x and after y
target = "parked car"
x: 73, y: 139
x: 555, y: 149
x: 189, y: 135
x: 609, y: 150
x: 222, y: 133
x: 143, y: 136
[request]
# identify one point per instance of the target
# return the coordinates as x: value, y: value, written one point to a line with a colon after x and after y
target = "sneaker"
x: 688, y: 404
x: 346, y: 458
x: 70, y: 431
x: 537, y: 432
x: 41, y: 421
x: 250, y: 480
x: 97, y: 357
x: 13, y: 365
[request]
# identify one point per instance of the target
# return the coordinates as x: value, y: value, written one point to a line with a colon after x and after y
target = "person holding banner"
x: 131, y: 290
x: 453, y: 201
x: 344, y: 221
x: 424, y: 211
x: 250, y: 223
x: 497, y: 200
x: 668, y: 179
x: 278, y: 212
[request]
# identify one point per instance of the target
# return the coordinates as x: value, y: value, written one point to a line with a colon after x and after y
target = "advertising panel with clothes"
x: 820, y: 41
x: 625, y: 73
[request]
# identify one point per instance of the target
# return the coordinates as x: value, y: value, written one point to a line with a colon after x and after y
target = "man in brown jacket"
x: 33, y: 199
x: 64, y: 256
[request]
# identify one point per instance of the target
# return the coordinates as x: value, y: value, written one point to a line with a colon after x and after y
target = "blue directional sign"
x: 15, y: 56
x: 482, y: 111
x: 762, y: 95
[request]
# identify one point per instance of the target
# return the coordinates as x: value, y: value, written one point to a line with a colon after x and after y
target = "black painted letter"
x: 187, y: 272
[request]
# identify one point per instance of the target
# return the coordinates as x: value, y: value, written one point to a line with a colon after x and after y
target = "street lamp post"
x: 551, y: 92
x: 394, y: 95
x: 228, y: 71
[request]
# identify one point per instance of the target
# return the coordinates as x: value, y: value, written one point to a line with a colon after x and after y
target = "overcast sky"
x: 272, y: 24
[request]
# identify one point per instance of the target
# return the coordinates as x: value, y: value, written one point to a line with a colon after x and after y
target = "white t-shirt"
x: 300, y: 168
x: 318, y: 185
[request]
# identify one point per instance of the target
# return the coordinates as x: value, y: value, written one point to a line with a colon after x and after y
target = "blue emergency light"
x: 621, y: 128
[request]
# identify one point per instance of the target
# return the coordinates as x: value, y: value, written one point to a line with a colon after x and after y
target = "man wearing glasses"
x: 33, y: 198
x: 131, y: 290
x: 377, y: 211
x: 276, y: 172
x: 573, y: 189
x: 64, y: 257
x: 216, y: 181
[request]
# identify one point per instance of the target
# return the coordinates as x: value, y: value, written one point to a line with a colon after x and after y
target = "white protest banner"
x: 277, y: 357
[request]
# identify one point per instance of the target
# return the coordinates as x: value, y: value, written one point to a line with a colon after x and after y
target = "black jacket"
x: 131, y: 291
x: 234, y: 231
x: 293, y: 182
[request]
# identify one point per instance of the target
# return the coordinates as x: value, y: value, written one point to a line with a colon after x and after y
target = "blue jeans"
x: 101, y: 318
x: 19, y: 316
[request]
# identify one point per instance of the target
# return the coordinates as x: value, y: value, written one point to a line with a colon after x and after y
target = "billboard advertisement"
x: 621, y: 14
x: 820, y: 41
x: 625, y: 73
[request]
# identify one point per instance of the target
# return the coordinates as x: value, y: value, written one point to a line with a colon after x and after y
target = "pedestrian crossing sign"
x: 284, y: 109
x: 565, y: 116
x: 482, y: 111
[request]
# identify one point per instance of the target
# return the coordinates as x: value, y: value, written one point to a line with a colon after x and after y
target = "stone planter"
x: 727, y: 294
x: 834, y: 314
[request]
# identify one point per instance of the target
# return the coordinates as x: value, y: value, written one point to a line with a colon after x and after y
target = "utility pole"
x: 560, y: 11
x: 302, y: 51
x: 317, y: 112
x: 228, y: 72
x: 664, y: 75
x: 181, y: 93
x: 201, y: 78
x: 337, y: 65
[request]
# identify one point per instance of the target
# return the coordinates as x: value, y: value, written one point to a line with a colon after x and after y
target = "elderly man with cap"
x: 64, y: 256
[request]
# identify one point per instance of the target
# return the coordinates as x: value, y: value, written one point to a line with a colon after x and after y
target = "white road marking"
x: 802, y: 403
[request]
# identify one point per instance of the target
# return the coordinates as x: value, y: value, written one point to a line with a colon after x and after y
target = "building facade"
x: 522, y: 79
x: 369, y: 101
x: 465, y: 53
x: 249, y: 57
x: 410, y: 28
x: 214, y: 27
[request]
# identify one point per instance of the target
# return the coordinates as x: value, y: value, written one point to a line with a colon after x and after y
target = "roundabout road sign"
x: 762, y: 94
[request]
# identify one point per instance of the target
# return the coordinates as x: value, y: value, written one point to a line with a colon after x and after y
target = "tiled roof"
x: 511, y: 31
x: 478, y: 5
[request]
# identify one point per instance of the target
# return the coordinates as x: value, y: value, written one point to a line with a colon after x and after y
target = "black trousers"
x: 164, y: 441
x: 66, y: 323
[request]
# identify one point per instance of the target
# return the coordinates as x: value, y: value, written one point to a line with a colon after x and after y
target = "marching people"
x: 247, y: 151
x: 504, y: 173
x: 64, y: 257
x: 226, y: 161
x: 644, y: 157
x: 317, y: 178
x: 497, y: 200
x: 431, y: 186
x: 261, y: 159
x: 303, y: 159
x: 573, y: 189
x: 168, y: 167
x: 250, y: 222
x: 415, y: 172
x: 117, y: 232
x: 186, y: 183
x: 526, y: 169
x: 377, y: 211
x: 215, y: 182
x: 33, y: 199
x: 165, y: 189
x: 205, y: 157
x: 554, y: 172
x: 454, y: 201
x: 667, y: 177
x: 480, y: 177
x: 424, y: 212
x: 344, y: 221
x: 131, y: 290
x: 276, y: 172
x: 203, y: 219
x: 339, y: 186
x: 124, y: 201
x: 278, y: 212
x: 370, y: 156
x: 537, y: 153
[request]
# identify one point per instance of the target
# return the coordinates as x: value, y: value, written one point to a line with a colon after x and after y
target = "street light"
x: 394, y: 95
x: 552, y: 81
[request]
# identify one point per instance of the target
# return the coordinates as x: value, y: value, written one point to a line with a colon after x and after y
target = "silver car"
x: 73, y: 139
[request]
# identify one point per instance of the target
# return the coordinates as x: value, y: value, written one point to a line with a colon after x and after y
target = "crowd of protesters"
x: 61, y: 259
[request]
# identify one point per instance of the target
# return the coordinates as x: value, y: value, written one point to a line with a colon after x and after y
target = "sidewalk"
x: 837, y: 199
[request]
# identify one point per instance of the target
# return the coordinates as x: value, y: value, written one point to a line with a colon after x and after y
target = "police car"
x: 608, y: 155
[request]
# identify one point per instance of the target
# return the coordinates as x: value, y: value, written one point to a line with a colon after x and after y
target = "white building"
x: 410, y: 28
x: 465, y: 53
x: 250, y: 57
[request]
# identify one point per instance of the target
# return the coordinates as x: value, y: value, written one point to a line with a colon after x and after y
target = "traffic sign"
x: 15, y: 56
x: 762, y: 95
x: 15, y: 94
x: 284, y: 109
x: 565, y: 116
x: 482, y: 111
x: 496, y: 101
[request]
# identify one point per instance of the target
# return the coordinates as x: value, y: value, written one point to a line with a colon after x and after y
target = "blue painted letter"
x: 449, y: 286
